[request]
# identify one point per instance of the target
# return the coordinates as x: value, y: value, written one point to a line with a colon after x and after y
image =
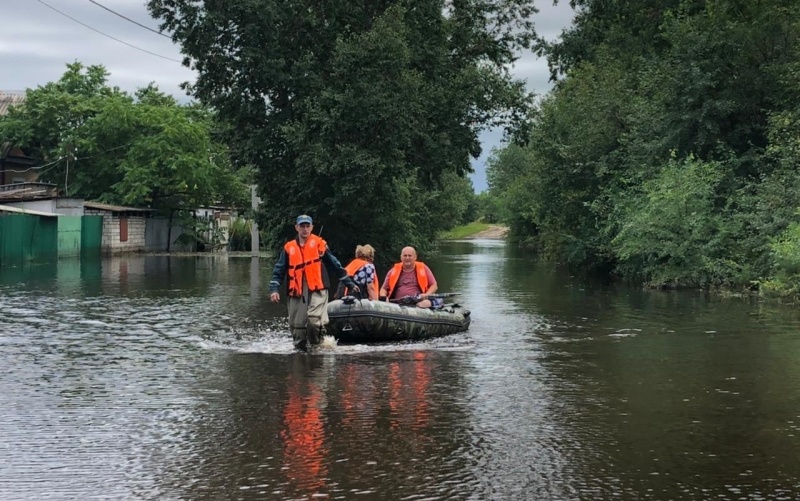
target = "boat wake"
x: 279, y: 342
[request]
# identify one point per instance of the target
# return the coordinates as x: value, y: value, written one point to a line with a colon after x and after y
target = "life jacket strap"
x: 303, y: 265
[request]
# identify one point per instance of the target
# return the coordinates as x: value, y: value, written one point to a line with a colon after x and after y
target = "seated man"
x: 410, y: 277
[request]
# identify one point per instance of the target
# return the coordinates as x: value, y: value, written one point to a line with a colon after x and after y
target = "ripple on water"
x: 181, y: 382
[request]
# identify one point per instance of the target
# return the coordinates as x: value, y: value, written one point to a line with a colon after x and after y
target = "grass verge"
x: 463, y: 231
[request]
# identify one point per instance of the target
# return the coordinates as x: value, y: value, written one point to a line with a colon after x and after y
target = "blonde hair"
x: 365, y: 251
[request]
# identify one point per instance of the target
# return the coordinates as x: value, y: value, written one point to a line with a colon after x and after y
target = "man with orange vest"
x: 410, y: 277
x: 301, y: 262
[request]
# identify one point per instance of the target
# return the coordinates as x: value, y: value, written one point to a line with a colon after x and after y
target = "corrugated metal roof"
x: 10, y: 98
x: 17, y: 210
x: 27, y: 191
x: 113, y: 208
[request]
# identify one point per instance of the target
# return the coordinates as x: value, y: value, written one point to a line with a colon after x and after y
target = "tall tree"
x: 353, y: 111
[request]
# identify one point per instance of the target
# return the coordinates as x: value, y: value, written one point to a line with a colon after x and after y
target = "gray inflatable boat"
x: 364, y: 321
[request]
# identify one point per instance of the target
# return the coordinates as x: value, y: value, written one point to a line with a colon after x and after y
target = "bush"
x: 673, y: 235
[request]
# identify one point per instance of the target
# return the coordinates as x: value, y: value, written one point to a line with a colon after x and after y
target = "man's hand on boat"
x: 407, y: 300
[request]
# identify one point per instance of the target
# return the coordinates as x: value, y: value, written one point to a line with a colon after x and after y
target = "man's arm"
x: 278, y: 272
x: 385, y: 287
x: 336, y: 269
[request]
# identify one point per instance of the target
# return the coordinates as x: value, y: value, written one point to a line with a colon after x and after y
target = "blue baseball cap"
x: 304, y: 219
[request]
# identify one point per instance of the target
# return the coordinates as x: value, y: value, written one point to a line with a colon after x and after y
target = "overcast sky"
x: 36, y: 42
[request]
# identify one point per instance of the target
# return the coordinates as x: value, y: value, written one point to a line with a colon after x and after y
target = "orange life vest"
x: 354, y: 266
x: 422, y: 277
x: 305, y: 261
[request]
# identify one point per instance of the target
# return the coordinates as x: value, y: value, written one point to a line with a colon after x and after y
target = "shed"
x: 123, y: 227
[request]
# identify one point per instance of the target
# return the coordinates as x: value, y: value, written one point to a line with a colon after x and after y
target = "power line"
x: 129, y: 19
x: 35, y: 167
x: 107, y: 35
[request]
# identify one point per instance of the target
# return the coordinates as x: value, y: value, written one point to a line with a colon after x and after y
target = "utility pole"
x: 254, y: 201
x: 66, y: 176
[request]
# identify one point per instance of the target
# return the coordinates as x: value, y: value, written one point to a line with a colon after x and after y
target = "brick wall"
x: 111, y: 232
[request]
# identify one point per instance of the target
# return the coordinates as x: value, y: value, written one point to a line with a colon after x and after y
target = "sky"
x: 36, y: 43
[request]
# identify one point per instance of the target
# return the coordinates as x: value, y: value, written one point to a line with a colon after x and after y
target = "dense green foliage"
x: 364, y: 114
x: 102, y: 144
x: 667, y: 151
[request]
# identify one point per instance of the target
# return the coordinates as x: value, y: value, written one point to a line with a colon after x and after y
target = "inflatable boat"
x: 363, y: 321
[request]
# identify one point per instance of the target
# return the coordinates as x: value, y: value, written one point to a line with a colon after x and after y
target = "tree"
x: 103, y: 144
x: 355, y: 112
x: 666, y: 151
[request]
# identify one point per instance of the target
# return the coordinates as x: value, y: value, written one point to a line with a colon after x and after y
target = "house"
x: 88, y: 226
x: 15, y: 166
x: 10, y: 98
x: 71, y: 234
x: 219, y: 221
x: 93, y: 228
x: 19, y: 173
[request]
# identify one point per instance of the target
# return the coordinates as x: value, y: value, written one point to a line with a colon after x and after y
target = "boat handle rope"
x: 349, y: 301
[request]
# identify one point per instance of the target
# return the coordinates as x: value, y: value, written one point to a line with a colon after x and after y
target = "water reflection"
x: 155, y: 377
x: 303, y: 431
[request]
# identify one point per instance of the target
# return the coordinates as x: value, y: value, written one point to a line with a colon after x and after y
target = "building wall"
x: 221, y: 220
x: 65, y: 206
x: 18, y: 172
x: 69, y: 206
x: 39, y: 205
x: 111, y: 243
x: 157, y: 232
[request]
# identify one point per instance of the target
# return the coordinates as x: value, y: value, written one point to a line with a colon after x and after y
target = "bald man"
x: 410, y: 277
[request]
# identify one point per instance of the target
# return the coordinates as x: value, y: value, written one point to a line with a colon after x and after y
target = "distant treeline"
x: 669, y: 150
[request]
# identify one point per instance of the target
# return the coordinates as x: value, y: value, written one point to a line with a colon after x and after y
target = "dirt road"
x: 494, y: 231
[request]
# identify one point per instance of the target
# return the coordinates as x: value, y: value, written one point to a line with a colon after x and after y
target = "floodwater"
x: 154, y: 377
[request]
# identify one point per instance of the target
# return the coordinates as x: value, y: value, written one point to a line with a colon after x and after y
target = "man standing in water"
x: 410, y: 277
x: 301, y: 261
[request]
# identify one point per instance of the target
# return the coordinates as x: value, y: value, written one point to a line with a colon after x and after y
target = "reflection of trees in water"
x: 450, y: 269
x: 291, y: 427
x: 654, y: 385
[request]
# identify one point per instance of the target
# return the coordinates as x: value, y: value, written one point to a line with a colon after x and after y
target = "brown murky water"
x: 174, y: 378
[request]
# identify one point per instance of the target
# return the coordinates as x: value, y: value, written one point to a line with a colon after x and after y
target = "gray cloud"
x: 36, y: 43
x: 550, y: 22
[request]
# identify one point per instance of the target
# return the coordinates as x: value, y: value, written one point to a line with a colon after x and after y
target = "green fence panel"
x: 24, y: 237
x: 69, y: 236
x: 91, y: 235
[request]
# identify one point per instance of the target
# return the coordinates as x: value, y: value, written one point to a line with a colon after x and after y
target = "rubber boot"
x: 300, y: 340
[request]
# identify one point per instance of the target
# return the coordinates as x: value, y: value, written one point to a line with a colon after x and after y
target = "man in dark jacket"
x: 301, y: 262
